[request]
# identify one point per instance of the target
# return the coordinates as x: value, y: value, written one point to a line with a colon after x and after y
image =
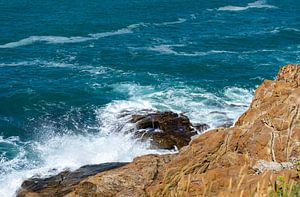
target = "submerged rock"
x: 64, y: 182
x: 165, y: 129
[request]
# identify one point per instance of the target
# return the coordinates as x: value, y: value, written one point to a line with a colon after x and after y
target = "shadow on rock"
x: 64, y: 182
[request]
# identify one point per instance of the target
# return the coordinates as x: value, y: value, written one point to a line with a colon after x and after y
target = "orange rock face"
x: 244, y: 160
x: 221, y: 161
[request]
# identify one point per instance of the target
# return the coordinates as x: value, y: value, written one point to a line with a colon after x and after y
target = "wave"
x: 173, y: 49
x: 51, y: 152
x: 196, y: 102
x: 168, y: 49
x: 276, y: 30
x: 256, y: 4
x: 76, y: 39
x: 12, y: 64
x: 284, y: 29
x: 180, y: 20
x: 54, y: 153
x: 41, y: 63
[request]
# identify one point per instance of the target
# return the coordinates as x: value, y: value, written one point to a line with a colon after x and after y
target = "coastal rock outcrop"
x: 243, y: 160
x: 165, y: 129
x: 220, y: 162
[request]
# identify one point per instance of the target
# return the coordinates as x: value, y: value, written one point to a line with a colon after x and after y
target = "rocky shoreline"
x: 256, y: 157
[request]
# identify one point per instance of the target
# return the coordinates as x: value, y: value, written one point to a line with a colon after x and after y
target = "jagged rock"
x: 165, y: 129
x: 220, y: 162
x: 128, y: 181
x: 64, y: 182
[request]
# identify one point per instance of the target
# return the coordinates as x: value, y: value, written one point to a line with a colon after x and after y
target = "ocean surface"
x: 68, y: 69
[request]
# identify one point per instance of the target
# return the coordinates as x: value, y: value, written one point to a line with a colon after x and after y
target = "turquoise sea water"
x: 69, y: 68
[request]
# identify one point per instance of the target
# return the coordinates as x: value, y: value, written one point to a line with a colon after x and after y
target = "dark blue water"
x: 69, y: 68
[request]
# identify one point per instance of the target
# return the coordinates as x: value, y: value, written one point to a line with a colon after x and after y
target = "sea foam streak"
x: 180, y: 20
x: 62, y: 40
x: 168, y: 49
x: 256, y: 4
x: 77, y: 39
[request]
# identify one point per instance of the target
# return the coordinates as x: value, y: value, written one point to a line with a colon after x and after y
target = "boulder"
x: 166, y: 130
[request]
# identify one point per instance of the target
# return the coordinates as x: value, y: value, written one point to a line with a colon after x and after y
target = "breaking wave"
x: 62, y: 40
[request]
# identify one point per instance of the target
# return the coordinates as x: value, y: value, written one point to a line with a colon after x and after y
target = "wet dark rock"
x: 200, y: 127
x: 64, y: 182
x: 165, y: 129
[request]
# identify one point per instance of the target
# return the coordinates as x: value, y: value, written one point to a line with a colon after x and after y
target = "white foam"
x: 22, y: 63
x: 169, y: 49
x: 197, y: 103
x: 78, y: 39
x: 62, y: 40
x: 41, y: 63
x: 46, y: 39
x: 280, y: 29
x: 163, y: 49
x: 180, y: 20
x: 67, y: 151
x: 256, y: 4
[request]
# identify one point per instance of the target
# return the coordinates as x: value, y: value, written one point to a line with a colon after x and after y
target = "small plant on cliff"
x: 298, y: 168
x: 283, y: 189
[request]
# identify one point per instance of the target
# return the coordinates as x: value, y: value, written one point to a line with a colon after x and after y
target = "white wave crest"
x: 62, y: 40
x: 180, y: 20
x: 65, y: 151
x: 41, y: 63
x: 169, y: 49
x: 200, y: 106
x: 256, y: 4
x: 284, y: 29
x: 78, y: 39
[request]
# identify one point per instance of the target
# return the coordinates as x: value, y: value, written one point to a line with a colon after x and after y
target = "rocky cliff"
x: 255, y: 157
